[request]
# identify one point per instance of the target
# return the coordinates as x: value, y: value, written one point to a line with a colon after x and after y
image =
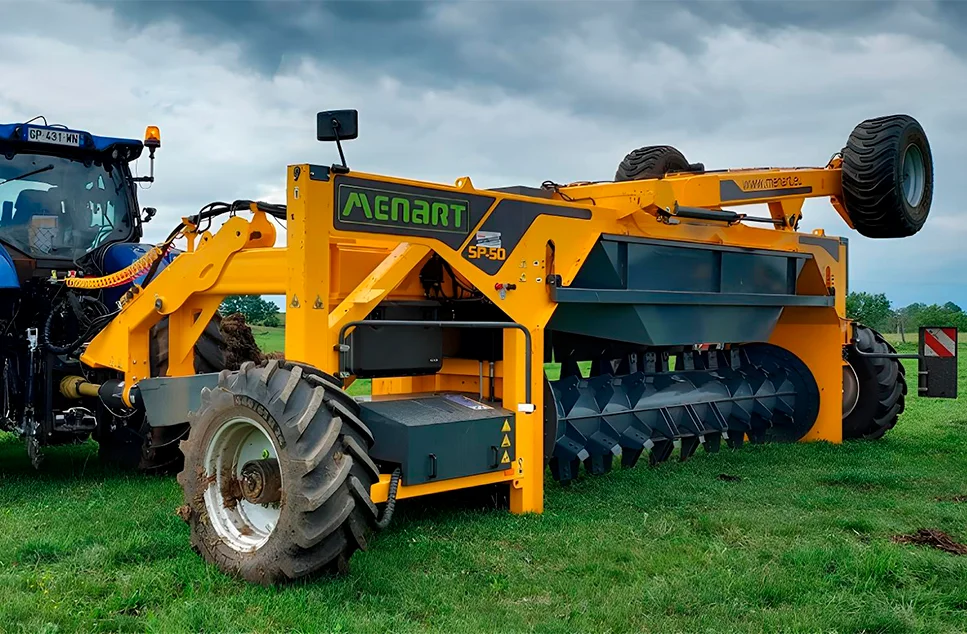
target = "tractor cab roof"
x: 61, y: 141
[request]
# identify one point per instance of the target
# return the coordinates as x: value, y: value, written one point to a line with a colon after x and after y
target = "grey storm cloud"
x: 437, y: 41
x: 522, y: 48
x: 508, y: 93
x: 426, y: 40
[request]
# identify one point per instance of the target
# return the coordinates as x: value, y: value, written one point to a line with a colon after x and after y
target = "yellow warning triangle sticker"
x: 505, y: 459
x: 506, y: 442
x: 506, y: 427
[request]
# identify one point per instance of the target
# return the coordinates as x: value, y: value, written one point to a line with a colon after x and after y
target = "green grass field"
x: 800, y: 543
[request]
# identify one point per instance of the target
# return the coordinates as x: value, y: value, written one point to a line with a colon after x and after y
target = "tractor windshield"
x: 53, y: 207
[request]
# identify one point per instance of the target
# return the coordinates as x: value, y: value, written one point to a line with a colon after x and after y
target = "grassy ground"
x: 269, y: 339
x: 800, y: 543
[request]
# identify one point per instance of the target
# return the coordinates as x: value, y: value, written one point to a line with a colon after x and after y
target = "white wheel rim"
x: 245, y: 526
x: 914, y: 175
x: 851, y: 390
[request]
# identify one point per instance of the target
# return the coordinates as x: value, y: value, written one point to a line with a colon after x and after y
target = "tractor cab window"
x: 52, y: 207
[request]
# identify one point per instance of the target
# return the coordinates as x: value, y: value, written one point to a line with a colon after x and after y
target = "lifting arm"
x: 123, y: 344
x: 783, y: 190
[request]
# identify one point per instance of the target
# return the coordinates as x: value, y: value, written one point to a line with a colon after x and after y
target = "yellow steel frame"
x: 331, y: 277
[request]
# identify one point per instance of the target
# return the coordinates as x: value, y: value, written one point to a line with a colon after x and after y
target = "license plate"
x: 57, y: 137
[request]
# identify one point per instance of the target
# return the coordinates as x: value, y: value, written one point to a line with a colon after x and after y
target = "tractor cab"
x: 66, y: 193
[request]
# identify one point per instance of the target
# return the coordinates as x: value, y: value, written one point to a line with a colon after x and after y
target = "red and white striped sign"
x: 939, y: 342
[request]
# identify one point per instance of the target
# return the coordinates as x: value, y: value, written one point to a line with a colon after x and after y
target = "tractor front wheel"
x: 277, y: 475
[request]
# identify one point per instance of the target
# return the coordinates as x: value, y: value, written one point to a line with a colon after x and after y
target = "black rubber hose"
x: 394, y: 483
x: 89, y: 326
x: 69, y: 348
x: 209, y: 211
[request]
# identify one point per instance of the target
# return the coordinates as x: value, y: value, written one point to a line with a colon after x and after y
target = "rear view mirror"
x: 337, y: 125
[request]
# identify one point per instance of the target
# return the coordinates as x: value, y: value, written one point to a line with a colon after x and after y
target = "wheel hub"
x: 851, y: 390
x: 261, y: 481
x: 244, y: 494
x: 914, y: 175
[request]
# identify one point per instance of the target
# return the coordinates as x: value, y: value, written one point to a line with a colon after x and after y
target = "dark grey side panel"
x: 167, y: 400
x: 439, y: 436
x: 831, y: 245
x: 662, y: 292
x: 508, y: 223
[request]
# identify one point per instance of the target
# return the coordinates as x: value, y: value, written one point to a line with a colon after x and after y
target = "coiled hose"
x: 87, y: 325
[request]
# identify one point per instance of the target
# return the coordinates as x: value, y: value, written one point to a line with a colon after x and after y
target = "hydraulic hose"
x: 88, y: 325
x: 208, y: 212
x: 118, y: 278
x: 394, y: 483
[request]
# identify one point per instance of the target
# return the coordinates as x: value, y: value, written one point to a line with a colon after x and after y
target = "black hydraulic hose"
x: 209, y: 211
x: 89, y: 325
x: 394, y: 483
x: 69, y: 348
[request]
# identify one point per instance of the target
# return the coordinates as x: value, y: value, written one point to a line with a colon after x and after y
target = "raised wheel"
x: 874, y: 388
x: 136, y: 445
x: 653, y: 161
x: 277, y: 474
x: 888, y: 177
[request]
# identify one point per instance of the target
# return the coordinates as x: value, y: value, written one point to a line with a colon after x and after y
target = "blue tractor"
x: 69, y: 206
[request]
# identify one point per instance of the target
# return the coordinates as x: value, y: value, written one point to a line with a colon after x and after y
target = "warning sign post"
x: 938, y: 362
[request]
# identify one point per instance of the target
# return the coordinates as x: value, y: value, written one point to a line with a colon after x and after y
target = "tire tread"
x: 326, y: 485
x: 871, y: 188
x: 653, y: 161
x: 891, y: 387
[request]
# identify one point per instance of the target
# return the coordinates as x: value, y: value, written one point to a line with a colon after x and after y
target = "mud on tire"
x: 882, y: 387
x: 325, y: 511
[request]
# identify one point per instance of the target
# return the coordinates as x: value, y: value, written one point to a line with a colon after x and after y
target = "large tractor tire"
x: 209, y: 349
x: 277, y: 474
x: 135, y: 445
x: 653, y: 161
x: 888, y: 177
x: 874, y: 388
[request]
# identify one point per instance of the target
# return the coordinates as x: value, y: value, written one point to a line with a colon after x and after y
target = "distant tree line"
x: 876, y: 311
x: 255, y: 309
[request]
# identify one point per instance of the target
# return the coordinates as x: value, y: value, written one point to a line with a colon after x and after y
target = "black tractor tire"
x: 888, y: 177
x: 653, y: 161
x: 209, y: 349
x: 882, y: 387
x: 325, y: 512
x: 136, y: 446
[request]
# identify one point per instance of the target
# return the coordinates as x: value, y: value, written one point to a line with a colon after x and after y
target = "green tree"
x: 935, y: 315
x: 912, y: 317
x: 869, y: 309
x: 255, y: 309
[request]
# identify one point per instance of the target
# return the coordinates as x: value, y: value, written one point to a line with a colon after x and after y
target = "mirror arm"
x: 343, y: 168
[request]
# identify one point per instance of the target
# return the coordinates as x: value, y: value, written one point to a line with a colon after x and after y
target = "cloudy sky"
x: 508, y: 93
